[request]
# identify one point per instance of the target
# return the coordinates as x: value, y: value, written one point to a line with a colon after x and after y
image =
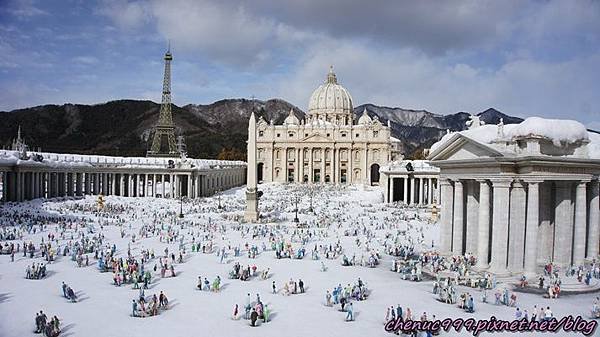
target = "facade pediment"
x: 460, y: 147
x: 317, y: 138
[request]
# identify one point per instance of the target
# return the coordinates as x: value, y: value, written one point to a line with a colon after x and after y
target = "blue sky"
x: 538, y: 58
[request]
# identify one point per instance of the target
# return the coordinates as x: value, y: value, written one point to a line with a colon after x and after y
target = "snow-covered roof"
x: 417, y: 165
x: 559, y: 132
x: 9, y: 158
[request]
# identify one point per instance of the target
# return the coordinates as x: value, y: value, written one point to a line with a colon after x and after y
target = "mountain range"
x: 216, y: 130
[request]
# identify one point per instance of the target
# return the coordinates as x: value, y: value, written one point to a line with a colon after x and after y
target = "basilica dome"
x: 331, y: 102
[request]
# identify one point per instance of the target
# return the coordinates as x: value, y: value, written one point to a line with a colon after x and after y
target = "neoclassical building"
x: 520, y: 196
x: 328, y: 146
x: 414, y: 182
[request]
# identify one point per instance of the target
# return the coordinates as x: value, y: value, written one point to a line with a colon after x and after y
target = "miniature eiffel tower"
x: 163, y: 142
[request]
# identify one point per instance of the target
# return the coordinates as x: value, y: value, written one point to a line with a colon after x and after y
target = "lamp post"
x: 296, y: 220
x: 219, y: 198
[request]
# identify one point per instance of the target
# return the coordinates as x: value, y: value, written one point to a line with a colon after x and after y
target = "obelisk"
x: 251, y: 213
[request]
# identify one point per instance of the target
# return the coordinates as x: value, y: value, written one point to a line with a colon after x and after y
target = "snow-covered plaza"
x: 336, y: 225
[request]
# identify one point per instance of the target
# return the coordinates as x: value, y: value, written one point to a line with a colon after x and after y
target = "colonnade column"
x: 446, y: 215
x: 301, y: 165
x: 70, y: 184
x: 563, y: 223
x: 516, y: 242
x: 78, y: 183
x: 458, y: 219
x: 580, y: 223
x: 55, y: 185
x: 105, y: 184
x: 533, y: 220
x: 310, y: 166
x: 472, y: 218
x: 323, y: 155
x: 296, y: 165
x: 420, y: 199
x: 501, y: 189
x: 430, y: 191
x: 593, y: 236
x: 412, y: 191
x: 483, y: 225
x: 335, y: 165
x: 154, y: 186
x: 405, y: 196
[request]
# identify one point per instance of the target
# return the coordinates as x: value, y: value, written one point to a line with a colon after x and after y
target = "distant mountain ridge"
x: 123, y: 127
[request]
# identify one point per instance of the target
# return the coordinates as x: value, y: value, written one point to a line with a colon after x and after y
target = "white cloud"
x: 411, y: 79
x: 126, y: 14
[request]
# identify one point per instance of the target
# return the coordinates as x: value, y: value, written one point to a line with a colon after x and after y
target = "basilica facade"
x: 327, y: 146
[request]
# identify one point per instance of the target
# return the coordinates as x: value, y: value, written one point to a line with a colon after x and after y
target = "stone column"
x: 594, y: 227
x: 55, y: 184
x: 483, y: 225
x: 350, y: 173
x: 31, y: 181
x: 78, y: 191
x: 96, y: 183
x: 445, y: 242
x: 301, y: 165
x: 121, y: 184
x: 580, y: 223
x: 162, y: 183
x: 38, y: 185
x: 41, y: 182
x: 112, y: 184
x: 516, y: 242
x: 105, y: 184
x: 430, y: 191
x: 174, y: 185
x: 70, y: 184
x: 310, y: 165
x: 501, y: 188
x: 335, y: 166
x: 412, y: 190
x: 458, y: 219
x: 391, y: 189
x: 472, y: 218
x: 405, y: 192
x: 189, y: 186
x: 546, y: 228
x: 421, y: 199
x: 20, y: 185
x: 563, y: 223
x: 323, y: 153
x: 533, y: 221
x: 154, y: 192
x: 87, y: 187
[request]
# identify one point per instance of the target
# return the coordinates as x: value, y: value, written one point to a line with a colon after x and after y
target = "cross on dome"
x: 331, y: 78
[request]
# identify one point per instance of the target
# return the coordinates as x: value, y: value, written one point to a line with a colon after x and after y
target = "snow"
x: 558, y: 131
x: 594, y: 145
x: 104, y: 309
x: 8, y: 157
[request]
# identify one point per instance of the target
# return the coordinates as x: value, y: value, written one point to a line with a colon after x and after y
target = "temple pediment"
x: 317, y: 138
x: 460, y: 147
